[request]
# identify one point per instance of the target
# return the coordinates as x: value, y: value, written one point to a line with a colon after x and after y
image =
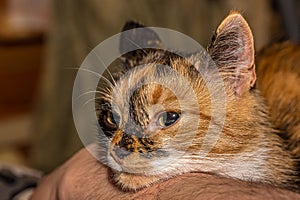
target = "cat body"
x: 156, y: 112
x: 279, y: 81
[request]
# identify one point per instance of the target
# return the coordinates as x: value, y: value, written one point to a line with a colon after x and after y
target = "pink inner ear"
x: 245, y: 68
x: 244, y: 81
x: 233, y: 52
x: 252, y: 76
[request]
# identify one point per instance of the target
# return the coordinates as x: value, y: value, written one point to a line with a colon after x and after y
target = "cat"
x: 278, y: 81
x: 141, y: 118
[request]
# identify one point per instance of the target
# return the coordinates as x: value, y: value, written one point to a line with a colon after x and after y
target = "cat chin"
x: 135, y: 181
x: 132, y: 182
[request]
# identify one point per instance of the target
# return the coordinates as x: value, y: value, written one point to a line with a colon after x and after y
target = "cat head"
x: 160, y: 108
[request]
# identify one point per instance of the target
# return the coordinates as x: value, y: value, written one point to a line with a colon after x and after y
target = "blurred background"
x: 42, y: 42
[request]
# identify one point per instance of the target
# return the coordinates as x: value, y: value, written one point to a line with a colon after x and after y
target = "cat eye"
x: 112, y: 119
x: 167, y: 119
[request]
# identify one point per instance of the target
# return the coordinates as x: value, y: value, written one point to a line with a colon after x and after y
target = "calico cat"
x: 141, y: 118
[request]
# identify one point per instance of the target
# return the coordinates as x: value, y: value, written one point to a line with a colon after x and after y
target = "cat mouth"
x: 133, y: 163
x: 117, y: 159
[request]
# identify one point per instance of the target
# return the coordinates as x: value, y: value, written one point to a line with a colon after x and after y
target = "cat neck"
x: 250, y: 147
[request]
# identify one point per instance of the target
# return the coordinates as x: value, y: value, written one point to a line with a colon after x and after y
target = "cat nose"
x: 124, y: 147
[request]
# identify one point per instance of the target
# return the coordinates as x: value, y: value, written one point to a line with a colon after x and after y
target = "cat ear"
x: 137, y: 38
x: 232, y: 49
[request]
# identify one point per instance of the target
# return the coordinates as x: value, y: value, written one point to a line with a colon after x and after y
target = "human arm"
x: 83, y: 177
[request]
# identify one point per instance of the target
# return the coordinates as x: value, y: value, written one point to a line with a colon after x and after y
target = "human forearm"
x: 83, y: 178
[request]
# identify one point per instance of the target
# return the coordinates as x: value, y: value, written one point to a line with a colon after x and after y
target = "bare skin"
x: 83, y: 178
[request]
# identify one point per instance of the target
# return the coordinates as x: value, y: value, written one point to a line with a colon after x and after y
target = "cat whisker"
x: 111, y: 76
x: 93, y: 72
x: 90, y: 100
x: 104, y: 88
x: 220, y: 155
x: 104, y: 93
x: 99, y: 58
x: 107, y: 90
x: 92, y: 92
x: 106, y: 98
x: 98, y: 75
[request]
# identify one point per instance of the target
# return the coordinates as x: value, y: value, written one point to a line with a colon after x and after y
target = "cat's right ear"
x: 140, y: 37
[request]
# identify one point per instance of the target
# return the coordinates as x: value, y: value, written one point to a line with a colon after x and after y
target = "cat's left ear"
x: 232, y: 49
x: 141, y: 36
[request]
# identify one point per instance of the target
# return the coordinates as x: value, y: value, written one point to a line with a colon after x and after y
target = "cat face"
x: 156, y: 113
x: 150, y: 110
